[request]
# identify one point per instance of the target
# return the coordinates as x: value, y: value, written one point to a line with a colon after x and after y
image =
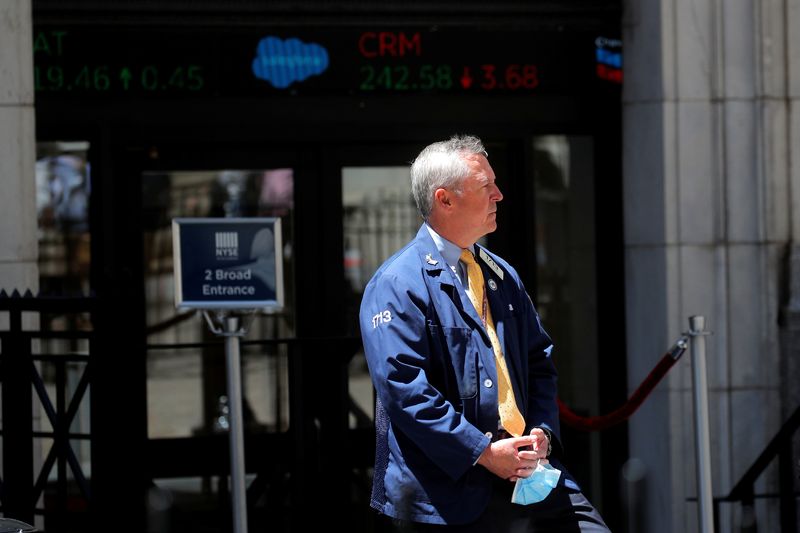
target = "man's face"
x: 476, y: 207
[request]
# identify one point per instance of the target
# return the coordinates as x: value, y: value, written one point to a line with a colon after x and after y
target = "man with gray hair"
x: 467, y: 431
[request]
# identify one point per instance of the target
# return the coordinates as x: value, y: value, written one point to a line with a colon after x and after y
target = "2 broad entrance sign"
x: 227, y: 267
x: 228, y: 263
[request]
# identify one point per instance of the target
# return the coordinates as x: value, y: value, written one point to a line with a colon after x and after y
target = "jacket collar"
x: 441, y: 277
x: 431, y: 259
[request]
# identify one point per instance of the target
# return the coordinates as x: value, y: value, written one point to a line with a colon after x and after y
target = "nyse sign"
x: 228, y: 263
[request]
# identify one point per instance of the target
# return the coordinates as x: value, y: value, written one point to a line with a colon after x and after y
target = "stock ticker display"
x: 161, y: 62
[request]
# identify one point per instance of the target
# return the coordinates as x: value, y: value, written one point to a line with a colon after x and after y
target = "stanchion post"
x: 235, y: 430
x: 697, y: 335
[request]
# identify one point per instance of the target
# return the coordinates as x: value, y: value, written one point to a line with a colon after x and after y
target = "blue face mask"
x: 537, y: 486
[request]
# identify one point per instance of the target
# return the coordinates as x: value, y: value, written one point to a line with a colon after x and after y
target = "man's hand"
x: 507, y: 459
x: 542, y: 445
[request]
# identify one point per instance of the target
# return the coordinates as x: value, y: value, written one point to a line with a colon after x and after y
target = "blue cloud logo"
x: 282, y: 63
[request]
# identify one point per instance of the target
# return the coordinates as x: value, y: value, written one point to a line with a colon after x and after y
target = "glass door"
x: 187, y: 406
x: 378, y: 218
x: 186, y: 387
x: 562, y: 191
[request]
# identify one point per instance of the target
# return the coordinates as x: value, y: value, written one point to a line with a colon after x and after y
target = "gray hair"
x: 441, y: 165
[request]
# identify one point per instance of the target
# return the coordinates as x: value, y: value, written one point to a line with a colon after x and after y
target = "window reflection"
x: 566, y: 259
x: 379, y: 218
x: 186, y: 385
x: 63, y: 189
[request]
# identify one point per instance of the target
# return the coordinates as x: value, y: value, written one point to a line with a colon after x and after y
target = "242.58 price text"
x: 486, y: 77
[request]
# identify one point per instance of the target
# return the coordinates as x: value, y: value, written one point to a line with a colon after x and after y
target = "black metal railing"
x: 28, y: 350
x: 744, y: 491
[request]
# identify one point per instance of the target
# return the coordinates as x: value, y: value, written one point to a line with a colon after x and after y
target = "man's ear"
x: 442, y: 197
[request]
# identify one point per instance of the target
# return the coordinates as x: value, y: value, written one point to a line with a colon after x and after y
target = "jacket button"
x: 487, y: 383
x: 489, y: 434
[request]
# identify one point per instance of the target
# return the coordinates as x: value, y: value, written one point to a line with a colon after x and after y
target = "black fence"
x: 49, y: 415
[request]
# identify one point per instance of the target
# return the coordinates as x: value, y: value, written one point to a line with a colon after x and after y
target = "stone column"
x: 708, y: 223
x: 18, y: 222
x: 18, y: 241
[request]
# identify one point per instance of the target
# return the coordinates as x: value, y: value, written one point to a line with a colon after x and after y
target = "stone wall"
x: 710, y: 156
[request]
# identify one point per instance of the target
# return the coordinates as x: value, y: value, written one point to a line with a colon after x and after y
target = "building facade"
x: 711, y: 219
x: 629, y: 207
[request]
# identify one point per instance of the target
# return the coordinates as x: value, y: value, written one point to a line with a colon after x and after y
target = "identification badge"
x: 490, y: 262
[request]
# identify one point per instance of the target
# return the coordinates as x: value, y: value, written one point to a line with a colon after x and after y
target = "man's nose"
x: 497, y: 194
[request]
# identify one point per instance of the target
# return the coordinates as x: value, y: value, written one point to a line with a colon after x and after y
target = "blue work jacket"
x: 434, y: 371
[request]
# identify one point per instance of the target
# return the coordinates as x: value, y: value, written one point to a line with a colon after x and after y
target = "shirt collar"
x: 450, y: 252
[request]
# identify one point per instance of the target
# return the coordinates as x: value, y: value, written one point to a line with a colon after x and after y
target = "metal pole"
x: 236, y: 433
x: 702, y: 439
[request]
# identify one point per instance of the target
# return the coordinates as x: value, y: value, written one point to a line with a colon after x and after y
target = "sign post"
x: 236, y: 433
x: 229, y: 267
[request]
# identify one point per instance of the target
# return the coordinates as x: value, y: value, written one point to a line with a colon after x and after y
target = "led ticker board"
x: 91, y: 62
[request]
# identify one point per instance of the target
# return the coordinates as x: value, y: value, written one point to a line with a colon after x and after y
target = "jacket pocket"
x: 455, y: 345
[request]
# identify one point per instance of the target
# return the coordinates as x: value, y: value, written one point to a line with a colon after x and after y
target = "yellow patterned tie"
x: 510, y: 417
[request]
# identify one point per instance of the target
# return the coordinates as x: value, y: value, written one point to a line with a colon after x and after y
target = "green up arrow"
x: 125, y: 75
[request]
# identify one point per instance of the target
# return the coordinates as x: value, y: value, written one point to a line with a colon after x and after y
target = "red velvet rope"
x: 599, y: 423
